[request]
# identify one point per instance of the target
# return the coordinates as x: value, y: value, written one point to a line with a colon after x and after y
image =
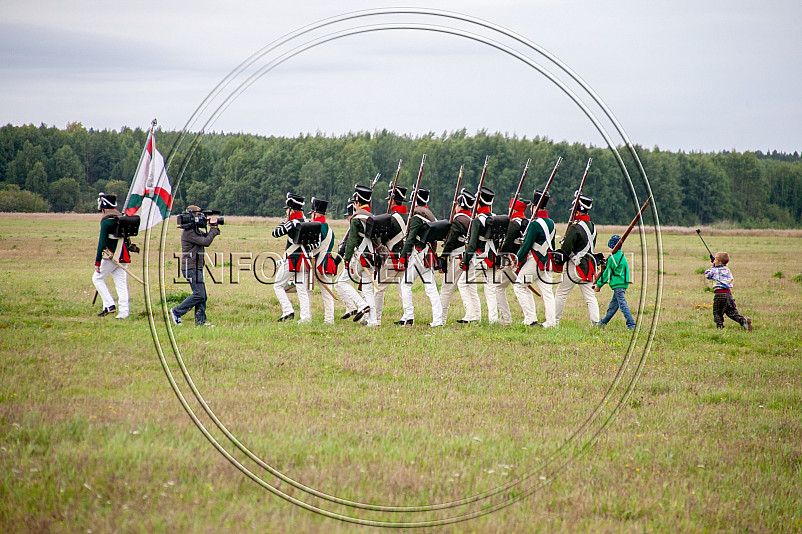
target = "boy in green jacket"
x: 616, y: 273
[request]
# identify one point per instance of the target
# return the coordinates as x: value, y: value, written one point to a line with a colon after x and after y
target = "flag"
x: 150, y: 196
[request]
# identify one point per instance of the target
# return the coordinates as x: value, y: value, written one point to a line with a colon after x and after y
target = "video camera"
x: 190, y: 221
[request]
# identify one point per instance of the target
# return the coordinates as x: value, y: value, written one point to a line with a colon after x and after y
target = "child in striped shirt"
x: 723, y: 303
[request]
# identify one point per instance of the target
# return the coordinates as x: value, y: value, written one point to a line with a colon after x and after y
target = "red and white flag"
x: 150, y: 196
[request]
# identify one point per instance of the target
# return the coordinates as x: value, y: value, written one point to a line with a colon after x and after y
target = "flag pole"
x: 139, y: 165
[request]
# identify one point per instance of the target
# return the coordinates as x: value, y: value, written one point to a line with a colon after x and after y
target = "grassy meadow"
x: 458, y: 429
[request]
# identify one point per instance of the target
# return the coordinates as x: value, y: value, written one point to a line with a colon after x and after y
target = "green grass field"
x: 520, y: 430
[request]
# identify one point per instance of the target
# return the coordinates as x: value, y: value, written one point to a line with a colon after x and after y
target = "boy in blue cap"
x: 616, y: 273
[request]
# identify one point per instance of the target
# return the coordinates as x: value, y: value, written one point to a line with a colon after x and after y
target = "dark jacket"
x: 421, y: 215
x: 193, y: 247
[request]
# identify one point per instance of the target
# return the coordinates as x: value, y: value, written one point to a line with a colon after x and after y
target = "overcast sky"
x: 683, y: 75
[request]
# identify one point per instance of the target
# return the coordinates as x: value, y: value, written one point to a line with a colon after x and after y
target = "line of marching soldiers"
x: 478, y: 248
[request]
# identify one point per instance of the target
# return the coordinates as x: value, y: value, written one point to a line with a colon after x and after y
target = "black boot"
x: 106, y: 311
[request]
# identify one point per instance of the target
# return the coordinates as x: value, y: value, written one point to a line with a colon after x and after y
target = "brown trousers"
x: 724, y: 304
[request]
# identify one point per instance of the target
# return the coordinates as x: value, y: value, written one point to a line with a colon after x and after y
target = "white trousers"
x: 120, y: 277
x: 340, y: 283
x: 414, y: 269
x: 283, y: 277
x: 498, y: 280
x: 328, y: 298
x: 531, y: 274
x: 479, y: 273
x: 564, y: 288
x: 355, y: 271
x: 388, y: 276
x: 455, y: 278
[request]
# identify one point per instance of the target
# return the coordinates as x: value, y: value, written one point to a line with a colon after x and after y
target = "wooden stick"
x: 109, y: 255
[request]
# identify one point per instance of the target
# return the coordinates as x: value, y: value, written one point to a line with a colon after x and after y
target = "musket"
x: 372, y: 185
x: 456, y: 194
x: 539, y: 204
x: 476, y: 202
x: 415, y: 196
x: 454, y: 203
x: 546, y: 189
x: 579, y: 192
x: 520, y: 185
x: 620, y: 243
x: 392, y: 186
x: 699, y: 233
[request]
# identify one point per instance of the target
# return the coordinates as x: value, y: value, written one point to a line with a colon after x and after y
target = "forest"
x: 44, y: 168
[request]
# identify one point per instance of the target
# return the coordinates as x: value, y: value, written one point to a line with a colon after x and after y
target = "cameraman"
x: 193, y: 245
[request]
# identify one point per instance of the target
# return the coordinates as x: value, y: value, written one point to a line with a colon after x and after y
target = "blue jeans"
x: 198, y: 297
x: 619, y: 301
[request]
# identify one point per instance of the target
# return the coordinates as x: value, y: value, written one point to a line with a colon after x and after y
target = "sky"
x: 680, y: 75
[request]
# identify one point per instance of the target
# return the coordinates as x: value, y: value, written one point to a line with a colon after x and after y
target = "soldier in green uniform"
x: 421, y: 262
x: 343, y: 279
x: 325, y: 267
x: 479, y: 254
x: 359, y: 260
x: 453, y: 248
x: 576, y: 253
x: 295, y: 266
x: 391, y: 271
x: 107, y: 205
x: 504, y: 271
x: 537, y: 265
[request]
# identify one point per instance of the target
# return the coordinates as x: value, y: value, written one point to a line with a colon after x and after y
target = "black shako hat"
x: 319, y: 206
x: 423, y: 196
x: 466, y: 199
x: 486, y: 196
x: 399, y: 193
x: 362, y: 194
x: 584, y: 203
x: 536, y: 198
x: 105, y: 202
x: 295, y: 202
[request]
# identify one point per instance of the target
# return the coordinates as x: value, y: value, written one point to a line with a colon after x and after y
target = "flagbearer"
x: 535, y: 257
x: 295, y: 266
x: 107, y: 205
x: 193, y: 256
x: 325, y: 267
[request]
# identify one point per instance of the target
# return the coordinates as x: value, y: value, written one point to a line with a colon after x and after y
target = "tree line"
x: 50, y: 169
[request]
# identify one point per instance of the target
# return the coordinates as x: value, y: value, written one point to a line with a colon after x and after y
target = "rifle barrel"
x: 392, y: 189
x: 456, y: 194
x: 579, y: 191
x: 520, y: 185
x: 415, y: 196
x: 546, y: 189
x: 620, y: 243
x: 476, y: 201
